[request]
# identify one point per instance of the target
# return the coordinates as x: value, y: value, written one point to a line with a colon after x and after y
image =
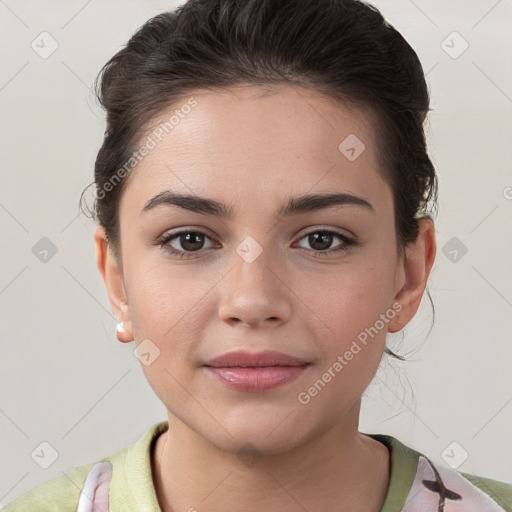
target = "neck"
x: 341, y: 469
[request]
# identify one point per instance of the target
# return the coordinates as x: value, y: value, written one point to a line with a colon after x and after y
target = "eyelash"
x: 164, y: 240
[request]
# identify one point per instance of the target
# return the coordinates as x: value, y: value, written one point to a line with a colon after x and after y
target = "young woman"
x: 262, y: 194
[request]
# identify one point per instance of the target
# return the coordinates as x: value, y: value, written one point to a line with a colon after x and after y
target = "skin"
x: 252, y: 148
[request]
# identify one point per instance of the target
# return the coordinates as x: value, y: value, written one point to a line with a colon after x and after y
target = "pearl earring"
x: 120, y: 327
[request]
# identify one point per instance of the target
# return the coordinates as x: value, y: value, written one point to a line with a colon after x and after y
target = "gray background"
x: 67, y: 381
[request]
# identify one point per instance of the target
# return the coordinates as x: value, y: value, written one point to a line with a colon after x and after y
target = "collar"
x: 133, y: 489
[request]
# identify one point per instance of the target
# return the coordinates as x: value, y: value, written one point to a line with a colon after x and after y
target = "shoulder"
x: 59, y: 493
x: 120, y: 481
x: 437, y: 483
x: 501, y: 492
x: 418, y: 485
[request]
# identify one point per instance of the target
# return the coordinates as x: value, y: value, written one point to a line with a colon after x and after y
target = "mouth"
x: 255, y: 372
x: 263, y: 359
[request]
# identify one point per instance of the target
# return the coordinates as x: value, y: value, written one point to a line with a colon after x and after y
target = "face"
x: 318, y: 280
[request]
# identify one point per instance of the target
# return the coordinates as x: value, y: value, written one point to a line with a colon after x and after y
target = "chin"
x: 258, y: 433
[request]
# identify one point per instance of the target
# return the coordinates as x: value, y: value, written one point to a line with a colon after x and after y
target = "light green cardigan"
x: 124, y: 481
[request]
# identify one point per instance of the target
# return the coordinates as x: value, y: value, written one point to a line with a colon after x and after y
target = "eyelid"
x: 319, y: 227
x: 175, y: 233
x: 347, y: 242
x: 301, y: 234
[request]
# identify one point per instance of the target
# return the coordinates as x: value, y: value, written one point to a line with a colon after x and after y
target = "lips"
x: 263, y: 371
x: 261, y: 359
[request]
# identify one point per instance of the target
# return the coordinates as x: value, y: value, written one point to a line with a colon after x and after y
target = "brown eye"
x: 183, y: 243
x: 191, y: 241
x: 321, y: 241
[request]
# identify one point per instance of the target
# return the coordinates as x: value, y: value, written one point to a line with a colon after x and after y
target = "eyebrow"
x: 295, y: 205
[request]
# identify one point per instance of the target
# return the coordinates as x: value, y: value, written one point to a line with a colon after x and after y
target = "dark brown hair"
x: 344, y: 49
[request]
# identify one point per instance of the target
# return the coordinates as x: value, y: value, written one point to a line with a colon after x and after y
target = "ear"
x: 112, y: 273
x: 414, y: 272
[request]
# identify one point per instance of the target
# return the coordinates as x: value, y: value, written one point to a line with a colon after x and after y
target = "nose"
x: 254, y: 291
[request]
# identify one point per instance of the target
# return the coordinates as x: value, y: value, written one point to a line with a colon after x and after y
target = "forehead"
x: 247, y: 139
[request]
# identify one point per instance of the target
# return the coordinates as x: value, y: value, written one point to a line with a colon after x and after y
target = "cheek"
x: 163, y: 300
x: 350, y: 338
x: 165, y: 308
x: 343, y: 302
